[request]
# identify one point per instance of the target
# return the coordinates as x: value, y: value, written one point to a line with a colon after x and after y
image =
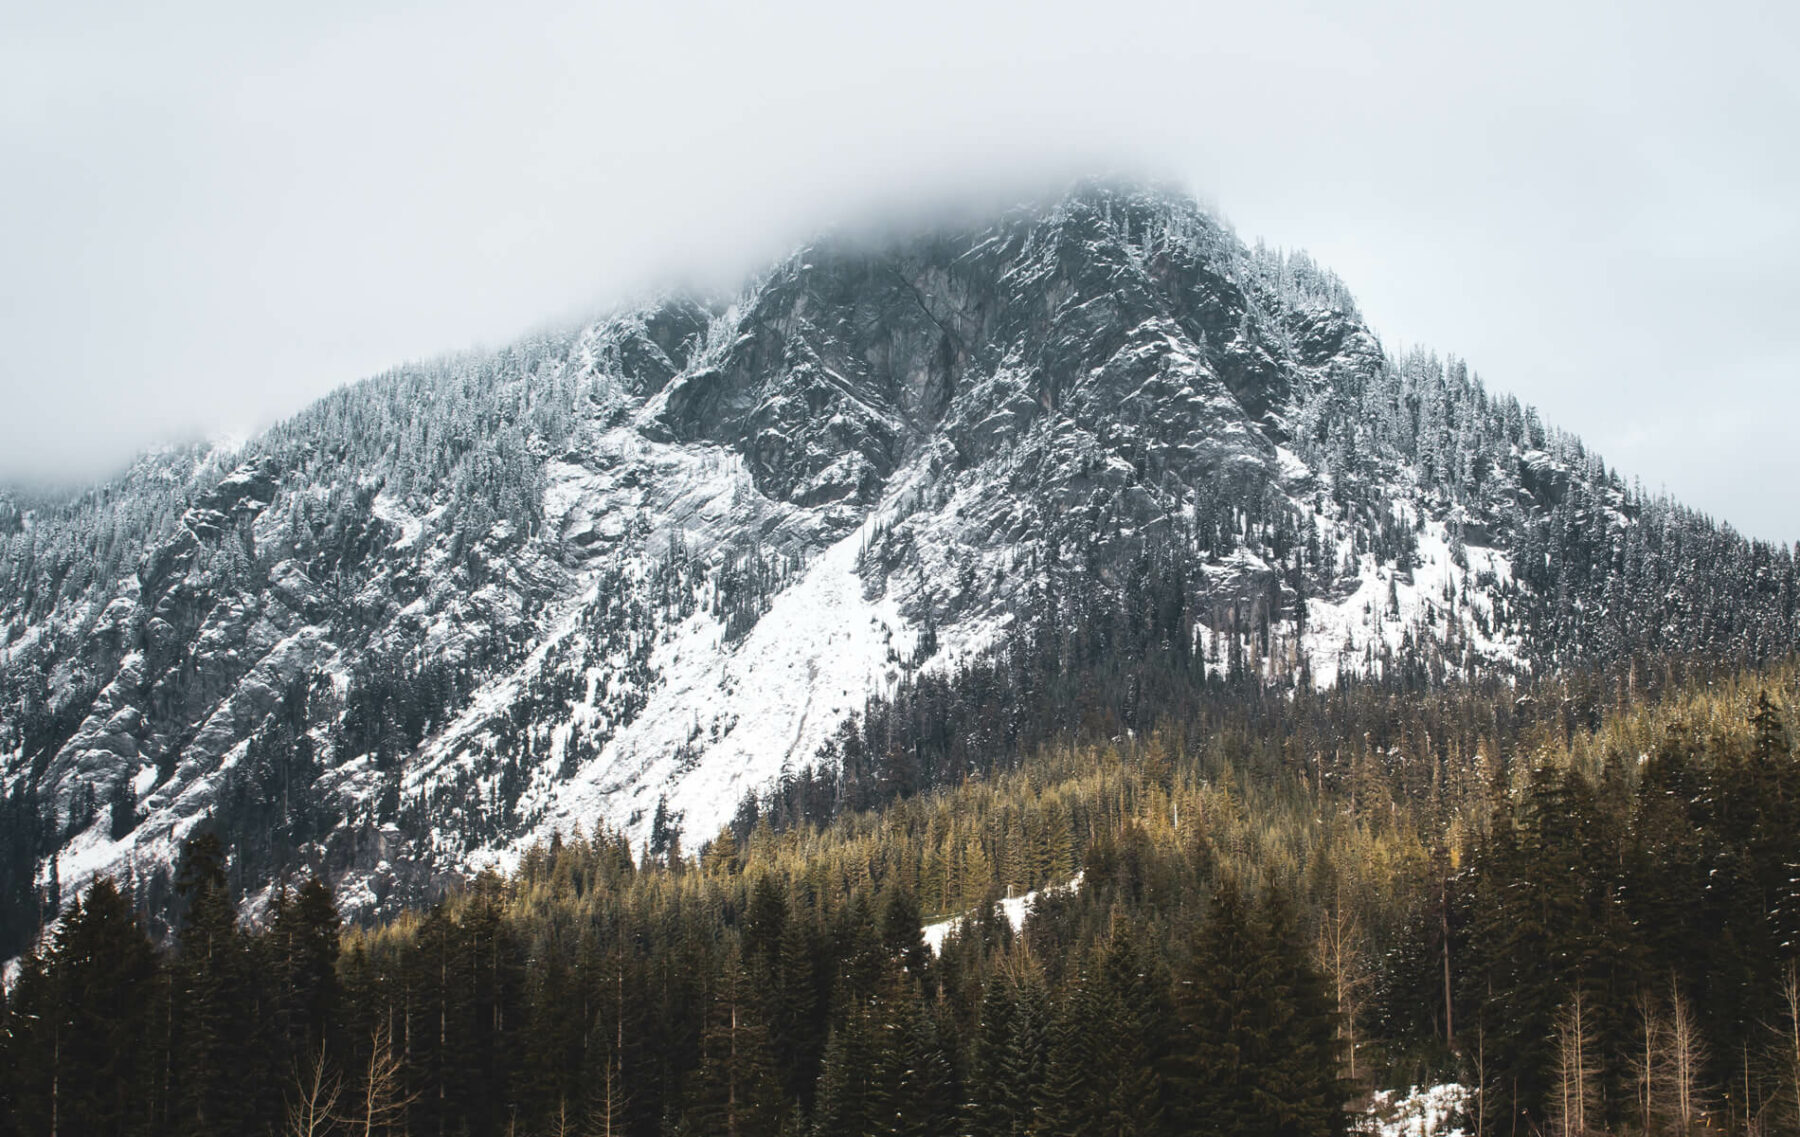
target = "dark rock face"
x: 455, y: 606
x: 655, y: 351
x: 850, y: 360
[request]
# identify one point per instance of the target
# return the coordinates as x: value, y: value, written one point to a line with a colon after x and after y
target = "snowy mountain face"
x: 454, y: 608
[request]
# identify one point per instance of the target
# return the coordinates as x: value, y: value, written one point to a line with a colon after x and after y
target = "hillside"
x: 1246, y: 921
x: 632, y: 573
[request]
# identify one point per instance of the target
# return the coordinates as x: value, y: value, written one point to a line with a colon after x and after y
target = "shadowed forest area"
x: 1578, y: 896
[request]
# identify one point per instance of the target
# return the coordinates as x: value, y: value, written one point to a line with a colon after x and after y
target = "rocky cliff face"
x: 452, y: 608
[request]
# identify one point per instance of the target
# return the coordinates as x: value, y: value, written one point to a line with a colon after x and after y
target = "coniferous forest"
x: 1110, y: 859
x: 1577, y: 897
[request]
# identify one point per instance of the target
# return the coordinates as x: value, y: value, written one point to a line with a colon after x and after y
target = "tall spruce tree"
x: 213, y: 996
x: 734, y: 1092
x: 80, y: 1052
x: 1255, y: 1054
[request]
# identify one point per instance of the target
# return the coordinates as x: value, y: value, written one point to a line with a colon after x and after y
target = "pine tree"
x: 609, y: 1096
x: 797, y: 1018
x: 765, y: 921
x: 849, y: 1100
x: 78, y: 1030
x: 212, y: 995
x: 1073, y: 1100
x: 990, y: 1107
x: 902, y: 934
x: 1256, y: 1054
x: 734, y: 1092
x: 1129, y: 1065
x: 886, y: 1070
x: 1305, y: 1091
x: 303, y: 934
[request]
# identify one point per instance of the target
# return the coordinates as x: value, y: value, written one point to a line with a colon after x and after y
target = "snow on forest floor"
x: 1433, y: 600
x: 1422, y: 1111
x: 1014, y: 908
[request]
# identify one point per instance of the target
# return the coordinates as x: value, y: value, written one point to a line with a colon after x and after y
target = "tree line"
x: 592, y: 994
x: 1589, y: 915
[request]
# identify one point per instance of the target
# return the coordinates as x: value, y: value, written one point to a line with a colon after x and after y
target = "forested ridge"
x: 1093, y: 452
x: 1577, y: 895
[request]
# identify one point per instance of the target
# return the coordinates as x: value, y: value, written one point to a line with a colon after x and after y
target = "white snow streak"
x: 1014, y: 908
x: 743, y: 711
x: 1423, y: 1111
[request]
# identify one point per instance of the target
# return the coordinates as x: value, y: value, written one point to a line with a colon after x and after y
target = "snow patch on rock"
x: 726, y: 718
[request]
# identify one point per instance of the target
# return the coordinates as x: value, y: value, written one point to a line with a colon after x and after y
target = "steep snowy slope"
x: 657, y: 560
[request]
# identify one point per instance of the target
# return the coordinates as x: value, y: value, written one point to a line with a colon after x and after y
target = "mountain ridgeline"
x: 899, y: 511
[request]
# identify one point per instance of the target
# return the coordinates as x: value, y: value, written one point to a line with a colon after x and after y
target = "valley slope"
x: 643, y: 567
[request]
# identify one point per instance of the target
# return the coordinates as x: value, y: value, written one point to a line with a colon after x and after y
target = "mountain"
x: 628, y: 574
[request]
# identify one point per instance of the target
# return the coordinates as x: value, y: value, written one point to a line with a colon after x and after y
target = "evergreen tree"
x: 303, y: 933
x: 992, y: 1109
x: 797, y: 1017
x: 78, y: 1044
x: 1132, y: 1046
x: 735, y: 1092
x: 1073, y: 1099
x: 213, y: 996
x: 1256, y: 1052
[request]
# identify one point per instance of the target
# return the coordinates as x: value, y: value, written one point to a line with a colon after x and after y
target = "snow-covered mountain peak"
x: 643, y: 567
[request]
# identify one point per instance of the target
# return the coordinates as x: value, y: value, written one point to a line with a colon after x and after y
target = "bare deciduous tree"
x: 312, y: 1104
x: 381, y: 1105
x: 1339, y: 954
x: 1684, y: 1097
x: 1788, y: 1044
x: 562, y: 1122
x: 1575, y: 1100
x: 1648, y: 1062
x: 609, y: 1104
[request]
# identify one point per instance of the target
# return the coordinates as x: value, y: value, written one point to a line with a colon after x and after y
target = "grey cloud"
x: 213, y: 213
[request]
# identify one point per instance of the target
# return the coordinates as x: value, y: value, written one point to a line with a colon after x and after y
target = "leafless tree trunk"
x: 562, y: 1125
x: 1481, y: 1079
x: 1575, y: 1104
x: 1444, y: 932
x: 1787, y: 1046
x: 381, y: 1105
x: 1684, y: 1097
x: 312, y: 1107
x: 731, y: 1107
x: 609, y: 1112
x: 55, y: 1076
x: 1648, y: 1061
x: 1753, y: 1117
x: 1339, y: 953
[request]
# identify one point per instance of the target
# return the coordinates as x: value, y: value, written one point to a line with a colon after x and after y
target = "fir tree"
x: 734, y: 1092
x: 79, y: 1041
x: 212, y: 991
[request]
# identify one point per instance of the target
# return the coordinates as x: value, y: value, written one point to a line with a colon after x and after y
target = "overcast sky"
x: 212, y: 213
